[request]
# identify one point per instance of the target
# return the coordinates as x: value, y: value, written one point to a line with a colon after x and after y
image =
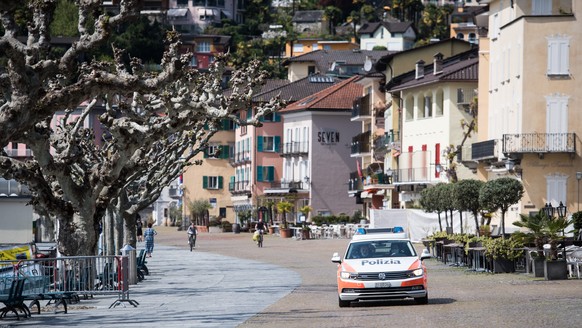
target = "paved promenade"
x: 184, y: 289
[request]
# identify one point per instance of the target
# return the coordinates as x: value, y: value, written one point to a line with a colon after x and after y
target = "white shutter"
x: 564, y: 55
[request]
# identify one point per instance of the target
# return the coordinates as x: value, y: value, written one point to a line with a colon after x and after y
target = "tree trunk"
x: 47, y: 228
x: 461, y: 220
x: 108, y: 232
x: 77, y: 235
x: 130, y: 229
x: 440, y: 221
x: 476, y: 224
x: 502, y: 223
x: 452, y: 229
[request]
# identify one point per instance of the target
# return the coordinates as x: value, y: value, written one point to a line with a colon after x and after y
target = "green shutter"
x: 270, y: 173
x: 204, y: 182
x: 262, y: 119
x: 259, y: 173
x: 260, y: 143
x: 224, y: 151
x: 206, y: 153
x: 277, y: 141
x: 276, y: 117
x: 249, y: 114
x: 220, y: 182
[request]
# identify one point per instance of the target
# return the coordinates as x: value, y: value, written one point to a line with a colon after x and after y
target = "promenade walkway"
x: 184, y: 289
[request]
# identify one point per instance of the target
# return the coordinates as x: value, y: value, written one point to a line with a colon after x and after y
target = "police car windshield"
x: 382, y: 248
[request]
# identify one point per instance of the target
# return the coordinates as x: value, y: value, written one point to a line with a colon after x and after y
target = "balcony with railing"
x: 355, y: 182
x: 361, y: 109
x: 295, y: 148
x: 12, y: 188
x: 239, y: 158
x: 175, y: 192
x: 239, y: 187
x: 20, y: 152
x: 361, y: 145
x: 539, y: 143
x: 414, y: 174
x: 483, y: 150
x: 284, y: 184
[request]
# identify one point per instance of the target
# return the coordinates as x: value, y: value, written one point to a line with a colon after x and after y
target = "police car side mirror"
x: 335, y: 258
x: 425, y: 254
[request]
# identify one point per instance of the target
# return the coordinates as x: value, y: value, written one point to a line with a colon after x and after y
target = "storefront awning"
x: 177, y: 12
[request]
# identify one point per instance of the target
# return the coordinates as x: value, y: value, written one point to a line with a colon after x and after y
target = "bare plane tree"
x: 155, y: 122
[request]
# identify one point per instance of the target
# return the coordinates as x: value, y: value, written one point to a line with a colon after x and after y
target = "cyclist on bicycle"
x: 260, y: 228
x: 192, y: 232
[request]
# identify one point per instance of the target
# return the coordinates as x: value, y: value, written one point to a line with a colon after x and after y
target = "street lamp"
x: 578, y: 177
x: 560, y: 210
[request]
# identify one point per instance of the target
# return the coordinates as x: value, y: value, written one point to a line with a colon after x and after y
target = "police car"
x: 380, y: 264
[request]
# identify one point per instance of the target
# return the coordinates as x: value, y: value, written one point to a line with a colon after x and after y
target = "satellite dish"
x: 368, y: 64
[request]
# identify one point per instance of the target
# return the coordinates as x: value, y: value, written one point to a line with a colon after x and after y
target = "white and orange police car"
x: 381, y: 264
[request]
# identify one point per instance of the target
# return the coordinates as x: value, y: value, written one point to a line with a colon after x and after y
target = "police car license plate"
x: 382, y: 284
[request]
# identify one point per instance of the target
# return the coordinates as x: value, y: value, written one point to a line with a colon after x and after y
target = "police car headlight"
x: 418, y: 272
x: 348, y: 275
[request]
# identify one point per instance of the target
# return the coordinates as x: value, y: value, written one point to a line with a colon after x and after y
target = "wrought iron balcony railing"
x: 539, y: 143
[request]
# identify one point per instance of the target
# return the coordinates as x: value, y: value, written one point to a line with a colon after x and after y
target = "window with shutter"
x: 558, y: 55
x: 259, y: 173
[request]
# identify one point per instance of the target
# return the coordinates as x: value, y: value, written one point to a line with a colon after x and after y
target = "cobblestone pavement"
x: 457, y: 297
x: 229, y: 282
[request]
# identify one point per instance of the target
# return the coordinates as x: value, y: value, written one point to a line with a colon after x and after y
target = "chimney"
x: 419, y: 69
x: 438, y: 63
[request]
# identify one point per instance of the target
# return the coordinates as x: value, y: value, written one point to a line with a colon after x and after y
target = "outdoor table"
x: 478, y: 260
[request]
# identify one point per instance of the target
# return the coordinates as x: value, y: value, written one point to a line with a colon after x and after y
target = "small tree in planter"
x: 503, y: 252
x: 535, y: 235
x: 283, y: 208
x: 500, y: 194
x: 577, y: 222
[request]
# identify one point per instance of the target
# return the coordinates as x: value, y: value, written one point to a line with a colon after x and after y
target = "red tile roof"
x: 338, y: 97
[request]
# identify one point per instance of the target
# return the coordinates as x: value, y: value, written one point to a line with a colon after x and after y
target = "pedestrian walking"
x: 149, y: 239
x: 139, y: 225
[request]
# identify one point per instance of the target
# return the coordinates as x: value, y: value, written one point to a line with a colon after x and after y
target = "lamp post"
x: 578, y: 178
x: 560, y: 210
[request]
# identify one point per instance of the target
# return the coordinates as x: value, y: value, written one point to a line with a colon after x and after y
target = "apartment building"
x: 528, y: 100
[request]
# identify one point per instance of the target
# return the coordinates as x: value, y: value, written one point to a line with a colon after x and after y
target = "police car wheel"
x: 343, y: 303
x: 421, y: 300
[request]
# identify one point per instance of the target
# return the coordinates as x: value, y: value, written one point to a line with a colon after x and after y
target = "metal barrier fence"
x: 79, y: 275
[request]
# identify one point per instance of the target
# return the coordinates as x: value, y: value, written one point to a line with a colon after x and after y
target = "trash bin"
x: 129, y: 251
x: 236, y: 228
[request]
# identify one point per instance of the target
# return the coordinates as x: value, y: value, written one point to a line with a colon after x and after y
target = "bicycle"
x: 260, y: 239
x: 191, y: 240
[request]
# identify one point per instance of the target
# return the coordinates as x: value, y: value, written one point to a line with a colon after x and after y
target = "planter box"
x: 538, y: 266
x: 285, y: 233
x: 555, y: 270
x: 503, y: 266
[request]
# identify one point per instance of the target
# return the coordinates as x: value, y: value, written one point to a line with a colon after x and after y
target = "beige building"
x: 210, y: 180
x: 528, y: 101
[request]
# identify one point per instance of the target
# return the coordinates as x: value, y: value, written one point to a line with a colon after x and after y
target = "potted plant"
x: 283, y: 208
x: 555, y: 268
x: 535, y: 235
x: 503, y: 252
x: 305, y: 231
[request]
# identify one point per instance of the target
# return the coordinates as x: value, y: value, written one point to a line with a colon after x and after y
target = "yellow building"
x: 528, y: 101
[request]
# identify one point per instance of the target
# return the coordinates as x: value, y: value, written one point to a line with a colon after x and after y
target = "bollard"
x: 129, y: 251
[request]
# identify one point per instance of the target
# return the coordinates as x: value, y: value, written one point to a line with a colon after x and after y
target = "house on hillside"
x: 341, y: 63
x: 529, y: 100
x: 310, y: 22
x: 392, y: 35
x: 193, y: 16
